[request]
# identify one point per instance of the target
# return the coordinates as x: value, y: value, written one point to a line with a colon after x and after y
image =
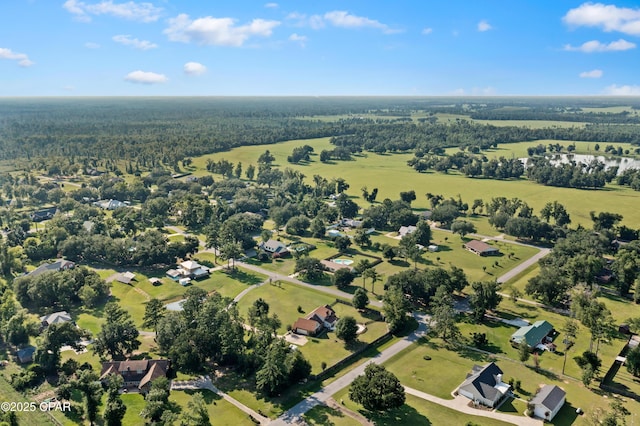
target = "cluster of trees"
x: 468, y: 164
x: 577, y: 259
x: 573, y: 175
x: 631, y: 178
x: 210, y: 329
x: 338, y: 153
x: 61, y: 290
x: 301, y: 153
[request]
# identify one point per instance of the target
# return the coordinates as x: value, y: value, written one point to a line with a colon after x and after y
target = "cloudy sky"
x: 296, y: 47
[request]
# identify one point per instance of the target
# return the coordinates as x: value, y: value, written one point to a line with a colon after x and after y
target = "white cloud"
x: 194, y: 68
x: 91, y: 45
x: 484, y: 26
x: 596, y: 46
x: 23, y: 59
x: 217, y: 31
x: 271, y: 5
x: 302, y: 40
x: 134, y: 42
x: 145, y: 77
x: 591, y: 74
x: 339, y: 18
x: 626, y: 90
x: 143, y: 12
x: 427, y: 31
x: 607, y: 17
x: 343, y: 19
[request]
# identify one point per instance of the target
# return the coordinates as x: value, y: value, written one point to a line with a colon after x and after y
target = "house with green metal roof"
x: 533, y: 334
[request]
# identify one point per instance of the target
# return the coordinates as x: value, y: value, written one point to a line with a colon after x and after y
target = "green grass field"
x: 322, y: 415
x: 391, y: 175
x: 417, y: 411
x: 447, y: 369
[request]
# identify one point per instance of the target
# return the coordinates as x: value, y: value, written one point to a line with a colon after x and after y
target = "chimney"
x: 498, y: 379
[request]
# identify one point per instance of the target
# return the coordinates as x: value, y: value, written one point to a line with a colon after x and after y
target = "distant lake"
x: 623, y: 163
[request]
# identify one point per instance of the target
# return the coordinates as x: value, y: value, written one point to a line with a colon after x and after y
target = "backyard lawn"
x: 416, y: 411
x: 284, y: 300
x: 321, y: 415
x: 447, y: 369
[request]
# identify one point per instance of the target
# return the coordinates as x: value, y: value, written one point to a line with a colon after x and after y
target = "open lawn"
x: 447, y: 369
x: 220, y: 411
x: 133, y: 297
x: 386, y: 171
x: 417, y: 411
x: 8, y: 393
x: 284, y: 300
x: 243, y: 389
x: 322, y: 415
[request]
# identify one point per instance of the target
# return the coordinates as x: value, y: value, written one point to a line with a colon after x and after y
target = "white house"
x: 548, y: 401
x: 484, y: 385
x: 406, y: 230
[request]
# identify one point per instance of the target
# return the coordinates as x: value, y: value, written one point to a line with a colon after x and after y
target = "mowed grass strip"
x: 416, y: 411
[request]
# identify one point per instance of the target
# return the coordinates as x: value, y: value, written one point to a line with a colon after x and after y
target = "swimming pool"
x: 343, y: 261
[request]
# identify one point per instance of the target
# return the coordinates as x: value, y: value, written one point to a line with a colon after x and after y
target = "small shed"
x: 548, y: 401
x: 433, y: 248
x: 155, y: 281
x: 184, y: 281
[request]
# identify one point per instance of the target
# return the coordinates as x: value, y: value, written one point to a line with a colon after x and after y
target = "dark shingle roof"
x: 549, y: 397
x: 482, y: 380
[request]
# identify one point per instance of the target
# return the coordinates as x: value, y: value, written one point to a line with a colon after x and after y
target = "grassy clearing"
x: 220, y: 411
x: 284, y: 299
x: 417, y: 411
x: 322, y: 415
x: 447, y: 369
x: 8, y: 393
x: 386, y: 171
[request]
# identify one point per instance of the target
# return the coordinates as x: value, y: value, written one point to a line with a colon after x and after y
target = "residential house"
x: 58, y: 265
x: 44, y: 214
x: 55, y: 318
x: 306, y: 327
x: 188, y: 269
x: 321, y: 318
x: 548, y: 401
x: 406, y: 230
x: 351, y: 223
x: 274, y: 247
x: 25, y: 354
x: 481, y: 248
x: 484, y: 385
x: 333, y: 266
x: 324, y: 315
x: 533, y: 335
x: 109, y: 204
x: 137, y: 374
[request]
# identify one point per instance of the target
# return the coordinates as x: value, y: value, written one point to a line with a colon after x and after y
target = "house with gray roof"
x: 275, y: 247
x: 484, y: 385
x: 548, y: 401
x: 55, y: 318
x: 58, y: 265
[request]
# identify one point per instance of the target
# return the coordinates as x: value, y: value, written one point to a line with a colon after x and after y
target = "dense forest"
x: 167, y: 130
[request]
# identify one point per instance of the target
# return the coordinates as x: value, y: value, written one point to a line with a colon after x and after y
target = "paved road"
x: 329, y: 290
x: 524, y: 265
x: 461, y: 404
x: 293, y: 414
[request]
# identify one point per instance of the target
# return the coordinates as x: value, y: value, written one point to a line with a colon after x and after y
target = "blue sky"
x: 298, y: 47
